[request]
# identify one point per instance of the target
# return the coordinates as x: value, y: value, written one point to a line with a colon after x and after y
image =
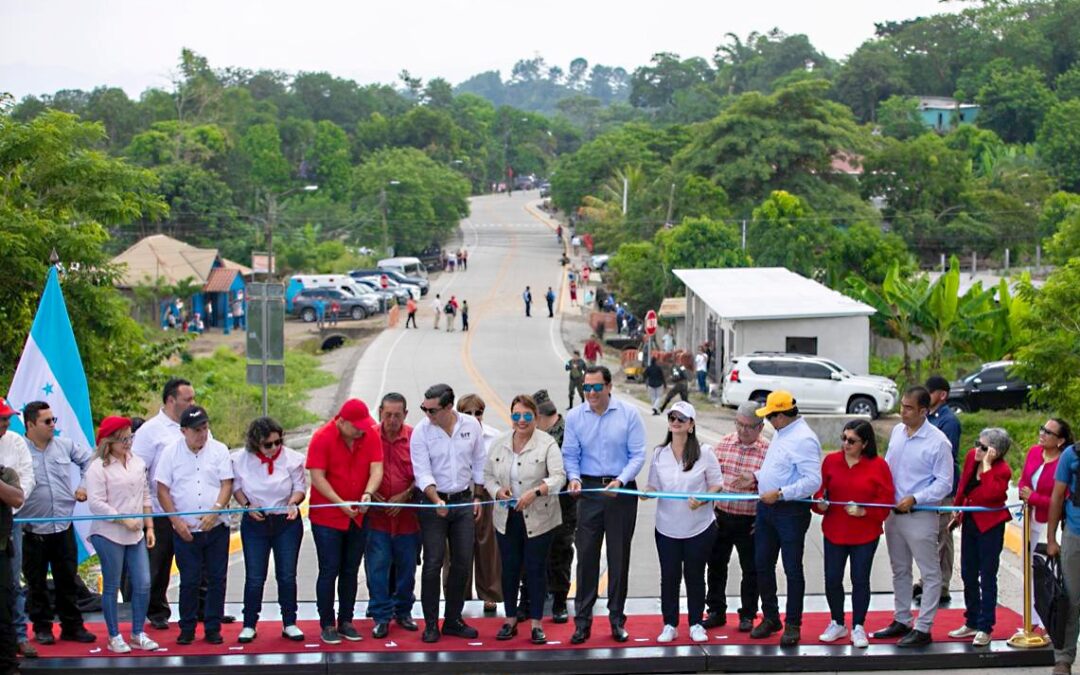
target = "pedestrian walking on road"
x: 593, y: 350
x: 685, y: 529
x: 464, y: 260
x: 335, y: 310
x: 585, y: 272
x: 550, y: 298
x: 464, y: 315
x: 437, y: 309
x: 576, y: 368
x: 527, y: 297
x: 410, y: 309
x: 603, y: 448
x: 573, y: 293
x: 679, y: 387
x: 655, y: 382
x: 451, y: 313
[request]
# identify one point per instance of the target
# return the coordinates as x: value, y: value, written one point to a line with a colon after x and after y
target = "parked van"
x: 409, y: 266
x: 342, y: 282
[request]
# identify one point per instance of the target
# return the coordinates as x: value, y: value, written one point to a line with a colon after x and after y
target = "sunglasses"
x: 48, y: 421
x: 980, y: 446
x: 517, y: 417
x: 597, y: 388
x: 474, y: 413
x: 772, y: 416
x: 676, y: 417
x: 430, y: 411
x: 849, y: 440
x: 1044, y: 430
x: 270, y: 445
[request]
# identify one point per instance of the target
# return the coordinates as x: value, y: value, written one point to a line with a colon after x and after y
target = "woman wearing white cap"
x: 685, y: 529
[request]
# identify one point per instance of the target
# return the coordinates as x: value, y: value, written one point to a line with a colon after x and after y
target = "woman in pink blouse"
x: 116, y: 485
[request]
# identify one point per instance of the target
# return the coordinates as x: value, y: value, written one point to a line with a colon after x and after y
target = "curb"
x: 1014, y: 538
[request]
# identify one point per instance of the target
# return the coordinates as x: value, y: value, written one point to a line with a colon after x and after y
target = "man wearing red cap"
x: 345, y: 460
x: 15, y: 454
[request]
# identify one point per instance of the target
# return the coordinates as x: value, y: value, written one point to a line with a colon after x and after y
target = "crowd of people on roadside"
x: 513, y: 510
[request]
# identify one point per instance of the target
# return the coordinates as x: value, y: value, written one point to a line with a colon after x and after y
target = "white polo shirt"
x: 194, y: 478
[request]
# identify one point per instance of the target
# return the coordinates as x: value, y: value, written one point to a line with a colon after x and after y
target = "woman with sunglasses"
x: 525, y: 468
x: 852, y: 476
x: 116, y: 484
x: 685, y: 529
x: 271, y: 478
x: 983, y: 482
x: 1037, y: 481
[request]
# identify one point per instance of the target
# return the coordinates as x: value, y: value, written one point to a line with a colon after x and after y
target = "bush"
x: 1022, y: 425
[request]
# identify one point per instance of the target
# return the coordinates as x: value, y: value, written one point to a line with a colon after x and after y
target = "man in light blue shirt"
x: 921, y: 460
x: 1066, y: 500
x: 603, y: 447
x: 791, y: 471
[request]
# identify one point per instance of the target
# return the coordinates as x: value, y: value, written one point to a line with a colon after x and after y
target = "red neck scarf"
x: 269, y: 461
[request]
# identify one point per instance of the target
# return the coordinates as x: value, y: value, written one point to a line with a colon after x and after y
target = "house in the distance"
x: 943, y: 114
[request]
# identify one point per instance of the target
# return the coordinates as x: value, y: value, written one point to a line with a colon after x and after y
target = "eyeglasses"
x: 747, y: 427
x: 430, y: 411
x: 772, y: 416
x: 980, y: 446
x: 1044, y: 430
x: 596, y: 388
x: 517, y: 417
x: 270, y: 445
x: 48, y: 421
x: 474, y: 413
x: 676, y: 417
x: 124, y: 440
x: 849, y: 440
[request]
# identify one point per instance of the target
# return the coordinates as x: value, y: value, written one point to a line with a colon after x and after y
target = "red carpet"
x: 643, y: 630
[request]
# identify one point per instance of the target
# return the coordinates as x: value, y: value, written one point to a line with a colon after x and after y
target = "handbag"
x: 1051, y: 601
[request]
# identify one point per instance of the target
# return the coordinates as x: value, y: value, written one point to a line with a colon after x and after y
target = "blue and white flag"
x: 51, y: 370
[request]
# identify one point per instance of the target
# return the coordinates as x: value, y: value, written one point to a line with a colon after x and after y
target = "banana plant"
x: 942, y: 311
x: 901, y: 305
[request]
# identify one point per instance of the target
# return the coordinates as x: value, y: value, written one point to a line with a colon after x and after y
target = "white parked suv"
x: 818, y: 384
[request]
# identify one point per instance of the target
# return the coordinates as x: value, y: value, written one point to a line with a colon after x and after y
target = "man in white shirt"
x: 195, y: 475
x: 437, y: 309
x: 448, y: 455
x: 921, y: 461
x: 14, y: 453
x: 701, y: 369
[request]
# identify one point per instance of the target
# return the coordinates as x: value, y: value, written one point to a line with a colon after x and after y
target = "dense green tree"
x: 638, y: 276
x: 1065, y: 243
x: 1067, y: 85
x: 756, y: 64
x: 328, y: 164
x: 898, y: 117
x: 1014, y: 102
x: 1055, y: 209
x: 922, y: 175
x: 872, y: 74
x: 784, y: 232
x: 865, y: 250
x: 1059, y: 143
x: 1050, y: 351
x: 260, y: 147
x: 655, y: 85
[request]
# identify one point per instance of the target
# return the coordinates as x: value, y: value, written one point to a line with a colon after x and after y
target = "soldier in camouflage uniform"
x: 562, y: 546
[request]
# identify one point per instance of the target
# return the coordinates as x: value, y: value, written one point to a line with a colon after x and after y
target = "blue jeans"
x: 384, y: 551
x: 701, y: 385
x: 520, y: 552
x: 780, y: 532
x: 207, y: 554
x: 862, y: 559
x: 114, y: 558
x: 18, y: 591
x: 980, y: 555
x: 339, y: 553
x: 282, y: 536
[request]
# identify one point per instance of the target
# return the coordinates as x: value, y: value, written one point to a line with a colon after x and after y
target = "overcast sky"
x: 46, y: 45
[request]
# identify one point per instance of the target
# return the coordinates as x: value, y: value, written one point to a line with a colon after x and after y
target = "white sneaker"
x: 117, y: 644
x: 858, y: 638
x: 247, y: 634
x: 981, y: 639
x: 698, y: 634
x: 668, y: 634
x: 292, y: 633
x: 143, y: 641
x: 834, y: 632
x: 963, y: 632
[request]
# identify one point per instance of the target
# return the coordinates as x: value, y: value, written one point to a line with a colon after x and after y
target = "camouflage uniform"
x: 562, y: 545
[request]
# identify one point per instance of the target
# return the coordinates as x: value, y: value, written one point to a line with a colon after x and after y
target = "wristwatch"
x: 538, y: 493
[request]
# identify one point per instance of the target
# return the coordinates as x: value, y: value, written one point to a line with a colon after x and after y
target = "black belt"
x: 599, y: 479
x: 463, y: 496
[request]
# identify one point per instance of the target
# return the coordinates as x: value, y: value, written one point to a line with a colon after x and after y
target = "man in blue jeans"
x: 192, y: 476
x: 393, y: 534
x: 791, y: 471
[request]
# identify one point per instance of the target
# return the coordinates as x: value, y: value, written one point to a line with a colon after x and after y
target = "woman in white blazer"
x: 524, y: 467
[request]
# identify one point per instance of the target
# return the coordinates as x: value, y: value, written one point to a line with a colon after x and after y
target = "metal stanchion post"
x: 1026, y: 638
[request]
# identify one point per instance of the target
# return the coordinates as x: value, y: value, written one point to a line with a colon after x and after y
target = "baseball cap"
x: 110, y: 425
x: 194, y: 417
x: 685, y: 409
x: 778, y: 401
x: 356, y: 413
x: 5, y: 408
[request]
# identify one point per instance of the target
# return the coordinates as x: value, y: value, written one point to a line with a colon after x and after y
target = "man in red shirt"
x: 393, y: 534
x: 593, y: 351
x: 345, y: 460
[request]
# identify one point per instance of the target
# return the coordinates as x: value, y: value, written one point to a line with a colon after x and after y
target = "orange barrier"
x: 393, y: 316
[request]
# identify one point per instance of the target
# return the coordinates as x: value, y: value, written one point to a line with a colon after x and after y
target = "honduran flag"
x: 51, y: 370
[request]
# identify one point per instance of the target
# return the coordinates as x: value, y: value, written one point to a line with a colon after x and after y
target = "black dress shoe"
x: 619, y: 634
x: 559, y: 615
x: 538, y: 637
x: 916, y: 591
x: 915, y: 638
x: 791, y: 636
x: 490, y: 608
x: 459, y: 628
x: 380, y: 630
x: 746, y: 624
x: 714, y: 620
x: 893, y: 630
x: 508, y: 631
x: 581, y: 634
x: 228, y: 618
x: 44, y: 638
x: 185, y: 638
x: 81, y: 635
x: 214, y: 638
x: 945, y: 599
x: 159, y: 624
x: 766, y: 628
x: 431, y: 633
x: 407, y: 623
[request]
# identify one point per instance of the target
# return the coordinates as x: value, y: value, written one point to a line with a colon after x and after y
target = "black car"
x: 351, y: 306
x: 991, y: 387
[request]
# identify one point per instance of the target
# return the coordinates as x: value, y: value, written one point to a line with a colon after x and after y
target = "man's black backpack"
x: 1051, y: 601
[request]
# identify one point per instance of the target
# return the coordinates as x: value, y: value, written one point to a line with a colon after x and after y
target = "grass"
x: 1022, y: 425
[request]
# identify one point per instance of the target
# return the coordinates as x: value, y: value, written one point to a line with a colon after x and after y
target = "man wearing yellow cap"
x: 791, y: 471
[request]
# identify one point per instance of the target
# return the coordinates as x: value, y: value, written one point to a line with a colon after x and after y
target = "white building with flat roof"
x: 747, y: 309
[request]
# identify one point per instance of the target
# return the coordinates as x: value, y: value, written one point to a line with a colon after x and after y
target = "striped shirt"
x: 736, y: 460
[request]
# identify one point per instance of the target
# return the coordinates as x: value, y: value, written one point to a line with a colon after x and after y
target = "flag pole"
x: 1026, y: 638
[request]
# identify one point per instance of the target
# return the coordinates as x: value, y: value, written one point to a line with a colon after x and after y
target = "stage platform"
x: 402, y: 652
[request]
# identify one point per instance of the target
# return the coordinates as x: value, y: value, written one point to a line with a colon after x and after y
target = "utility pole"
x: 271, y: 217
x: 625, y: 191
x: 670, y: 205
x: 385, y: 227
x: 744, y: 234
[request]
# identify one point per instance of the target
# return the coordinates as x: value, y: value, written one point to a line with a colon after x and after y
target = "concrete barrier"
x: 829, y: 427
